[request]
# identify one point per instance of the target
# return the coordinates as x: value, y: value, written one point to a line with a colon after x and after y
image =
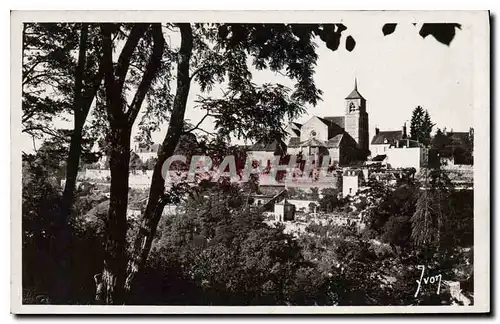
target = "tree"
x: 246, y: 110
x: 230, y: 255
x: 121, y: 117
x: 329, y: 200
x: 48, y: 61
x: 397, y: 231
x: 432, y: 210
x: 421, y: 126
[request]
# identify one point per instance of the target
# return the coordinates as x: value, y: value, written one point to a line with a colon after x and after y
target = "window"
x: 352, y: 107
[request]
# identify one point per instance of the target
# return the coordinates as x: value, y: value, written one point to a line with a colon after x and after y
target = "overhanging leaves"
x: 443, y: 33
x: 388, y: 29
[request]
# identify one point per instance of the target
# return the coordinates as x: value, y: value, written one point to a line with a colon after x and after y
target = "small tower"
x: 356, y: 118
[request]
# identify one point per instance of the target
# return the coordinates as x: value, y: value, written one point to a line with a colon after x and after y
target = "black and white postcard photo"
x: 250, y: 162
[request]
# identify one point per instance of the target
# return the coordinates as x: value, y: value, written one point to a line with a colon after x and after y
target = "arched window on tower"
x: 352, y: 107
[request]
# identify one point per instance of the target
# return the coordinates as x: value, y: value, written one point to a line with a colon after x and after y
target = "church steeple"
x: 356, y: 118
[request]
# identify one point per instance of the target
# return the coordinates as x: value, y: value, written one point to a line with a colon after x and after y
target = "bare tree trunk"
x: 113, y: 275
x: 156, y: 200
x: 62, y: 282
x: 111, y: 283
x: 75, y: 145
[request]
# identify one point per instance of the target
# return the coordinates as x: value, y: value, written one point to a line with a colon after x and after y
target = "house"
x: 351, y: 182
x: 407, y: 153
x: 284, y: 211
x: 266, y: 151
x: 396, y: 150
x: 382, y: 140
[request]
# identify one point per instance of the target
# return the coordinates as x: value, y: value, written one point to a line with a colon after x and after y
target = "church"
x: 343, y: 138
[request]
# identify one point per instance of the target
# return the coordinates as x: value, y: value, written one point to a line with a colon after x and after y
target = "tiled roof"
x: 355, y: 95
x: 379, y: 158
x: 335, y: 141
x: 313, y: 142
x: 274, y: 146
x: 339, y: 120
x: 390, y: 136
x: 295, y: 132
x: 333, y: 125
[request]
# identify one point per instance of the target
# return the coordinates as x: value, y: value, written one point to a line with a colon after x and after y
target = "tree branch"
x: 199, y: 123
x: 126, y: 55
x: 107, y: 64
x: 79, y: 72
x: 44, y: 130
x: 152, y: 68
x: 27, y: 73
x: 195, y: 72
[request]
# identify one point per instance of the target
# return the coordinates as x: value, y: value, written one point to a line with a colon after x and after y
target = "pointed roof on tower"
x: 355, y: 94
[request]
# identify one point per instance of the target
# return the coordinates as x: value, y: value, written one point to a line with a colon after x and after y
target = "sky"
x: 394, y: 73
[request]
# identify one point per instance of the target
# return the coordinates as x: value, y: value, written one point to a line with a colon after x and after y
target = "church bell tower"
x: 356, y: 118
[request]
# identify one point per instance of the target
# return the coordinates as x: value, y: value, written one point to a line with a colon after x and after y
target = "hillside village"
x: 344, y: 194
x: 354, y: 162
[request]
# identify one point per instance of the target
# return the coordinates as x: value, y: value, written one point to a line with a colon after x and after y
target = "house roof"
x: 339, y: 120
x: 274, y: 146
x: 390, y: 136
x: 313, y: 142
x: 335, y: 125
x: 294, y: 131
x: 294, y: 128
x: 335, y: 141
x: 354, y: 93
x: 379, y: 158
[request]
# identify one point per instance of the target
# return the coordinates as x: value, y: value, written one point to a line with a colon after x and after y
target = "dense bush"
x: 218, y: 251
x: 41, y: 207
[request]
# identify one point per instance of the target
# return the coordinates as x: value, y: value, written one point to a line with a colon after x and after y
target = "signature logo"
x: 427, y: 280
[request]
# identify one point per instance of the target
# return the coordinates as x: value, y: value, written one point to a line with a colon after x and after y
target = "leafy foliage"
x: 388, y: 29
x: 442, y: 32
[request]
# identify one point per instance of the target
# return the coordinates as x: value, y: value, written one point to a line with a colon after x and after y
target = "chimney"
x: 404, y: 131
x: 377, y: 130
